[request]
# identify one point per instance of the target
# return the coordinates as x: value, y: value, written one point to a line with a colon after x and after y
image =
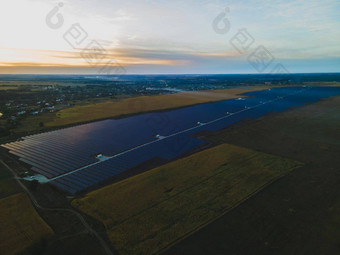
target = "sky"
x: 169, y: 37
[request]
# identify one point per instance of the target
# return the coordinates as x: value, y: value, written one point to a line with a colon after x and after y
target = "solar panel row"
x: 66, y: 156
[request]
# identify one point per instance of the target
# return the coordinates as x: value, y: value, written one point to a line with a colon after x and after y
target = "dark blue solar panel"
x: 133, y: 140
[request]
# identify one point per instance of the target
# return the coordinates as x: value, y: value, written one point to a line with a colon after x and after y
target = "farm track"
x: 87, y: 227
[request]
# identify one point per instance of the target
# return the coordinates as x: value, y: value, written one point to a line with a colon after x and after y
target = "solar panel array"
x: 67, y: 156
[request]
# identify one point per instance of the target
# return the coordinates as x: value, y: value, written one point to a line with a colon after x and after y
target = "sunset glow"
x: 168, y: 36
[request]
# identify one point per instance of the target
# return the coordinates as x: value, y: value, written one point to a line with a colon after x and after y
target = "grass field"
x: 298, y: 214
x: 20, y: 225
x: 142, y: 104
x: 31, y: 123
x: 8, y: 185
x: 4, y: 174
x: 150, y: 211
x: 8, y: 87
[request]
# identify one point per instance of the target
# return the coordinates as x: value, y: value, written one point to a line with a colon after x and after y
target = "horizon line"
x: 140, y: 74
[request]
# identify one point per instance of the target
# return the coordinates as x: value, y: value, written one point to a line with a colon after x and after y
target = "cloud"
x: 169, y: 36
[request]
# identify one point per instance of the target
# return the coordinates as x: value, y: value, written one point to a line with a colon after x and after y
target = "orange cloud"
x: 80, y: 58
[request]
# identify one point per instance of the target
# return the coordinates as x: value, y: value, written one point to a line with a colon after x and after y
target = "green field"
x: 31, y: 123
x: 8, y: 185
x: 148, y: 212
x: 300, y: 213
x: 8, y: 87
x: 20, y: 224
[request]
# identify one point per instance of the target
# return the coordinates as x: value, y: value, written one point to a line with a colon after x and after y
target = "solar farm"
x: 76, y: 158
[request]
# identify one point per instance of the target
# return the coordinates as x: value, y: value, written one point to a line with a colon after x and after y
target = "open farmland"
x: 298, y: 214
x: 146, y: 213
x: 8, y: 185
x: 8, y: 87
x: 135, y: 105
x: 19, y: 230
